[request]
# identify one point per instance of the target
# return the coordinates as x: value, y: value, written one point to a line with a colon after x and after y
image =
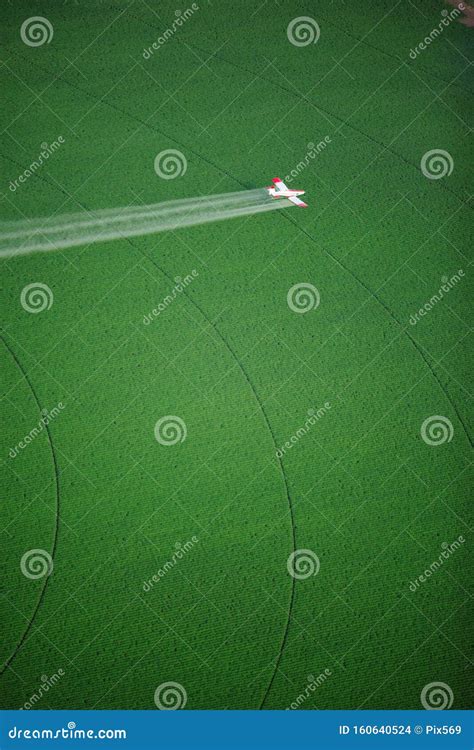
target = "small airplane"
x: 280, y: 190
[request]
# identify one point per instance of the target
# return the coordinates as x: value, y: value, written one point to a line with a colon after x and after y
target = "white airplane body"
x: 280, y: 190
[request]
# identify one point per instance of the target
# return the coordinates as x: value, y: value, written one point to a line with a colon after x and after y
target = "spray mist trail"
x: 69, y: 230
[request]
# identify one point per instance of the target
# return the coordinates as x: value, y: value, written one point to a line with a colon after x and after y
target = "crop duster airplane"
x: 280, y: 190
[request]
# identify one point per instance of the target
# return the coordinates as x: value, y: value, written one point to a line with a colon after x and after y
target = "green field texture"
x: 361, y: 489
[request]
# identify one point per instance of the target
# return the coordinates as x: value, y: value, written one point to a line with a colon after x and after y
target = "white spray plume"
x: 69, y: 230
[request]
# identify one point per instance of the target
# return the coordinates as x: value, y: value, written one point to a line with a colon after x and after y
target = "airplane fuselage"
x: 284, y: 193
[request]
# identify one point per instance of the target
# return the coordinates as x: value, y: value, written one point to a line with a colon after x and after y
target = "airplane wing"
x: 294, y: 199
x: 279, y: 184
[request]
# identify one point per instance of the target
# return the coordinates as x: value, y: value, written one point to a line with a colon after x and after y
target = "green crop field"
x: 236, y: 456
